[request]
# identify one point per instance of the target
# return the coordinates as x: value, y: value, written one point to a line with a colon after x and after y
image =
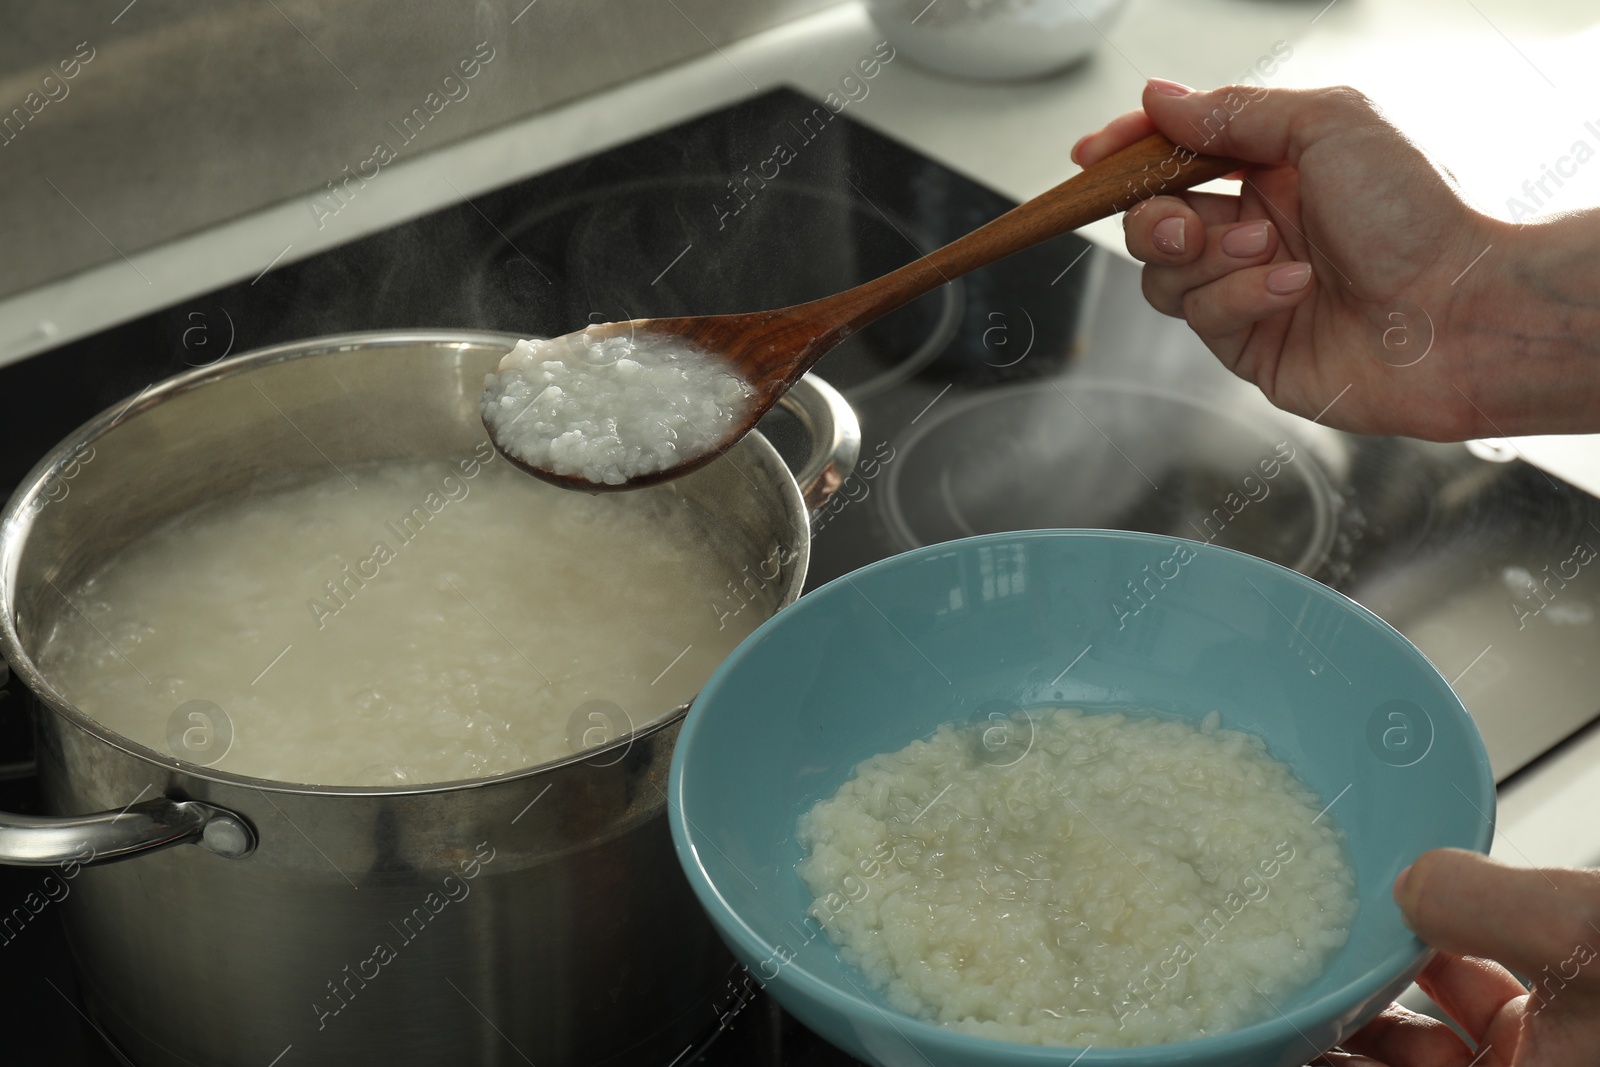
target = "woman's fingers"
x: 1247, y: 122
x: 1480, y: 995
x: 1405, y: 1039
x: 1119, y: 133
x: 1339, y: 1058
x: 1223, y: 311
x: 1164, y: 230
x: 1153, y: 238
x: 1475, y: 993
x: 1214, y: 209
x: 1251, y: 123
x: 1538, y: 922
x: 1225, y: 249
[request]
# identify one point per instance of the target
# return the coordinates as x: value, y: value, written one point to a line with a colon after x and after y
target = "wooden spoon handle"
x: 1144, y: 169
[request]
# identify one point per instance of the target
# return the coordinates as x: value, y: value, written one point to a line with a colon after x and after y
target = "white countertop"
x: 1496, y: 88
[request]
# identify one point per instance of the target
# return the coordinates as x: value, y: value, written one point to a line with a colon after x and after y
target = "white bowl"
x: 995, y: 39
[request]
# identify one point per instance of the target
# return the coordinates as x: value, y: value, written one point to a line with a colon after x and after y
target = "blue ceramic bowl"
x: 1089, y: 618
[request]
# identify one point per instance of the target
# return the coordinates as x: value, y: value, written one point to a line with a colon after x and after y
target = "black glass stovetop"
x: 676, y: 223
x: 1038, y: 392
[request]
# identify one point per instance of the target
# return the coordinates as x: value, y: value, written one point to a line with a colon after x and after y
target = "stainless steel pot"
x: 534, y: 917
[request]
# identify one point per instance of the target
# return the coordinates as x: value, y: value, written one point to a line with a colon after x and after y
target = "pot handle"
x: 50, y: 841
x: 835, y: 435
x: 19, y: 768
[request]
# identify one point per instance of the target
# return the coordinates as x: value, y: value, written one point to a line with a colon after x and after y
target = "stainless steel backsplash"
x: 124, y: 128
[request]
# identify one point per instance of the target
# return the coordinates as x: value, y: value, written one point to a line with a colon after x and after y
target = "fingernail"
x: 1168, y: 236
x: 1073, y: 155
x: 1247, y: 240
x: 1169, y: 88
x: 1400, y: 883
x: 1289, y: 278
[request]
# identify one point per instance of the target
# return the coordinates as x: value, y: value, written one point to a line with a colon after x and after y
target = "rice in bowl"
x: 1130, y: 880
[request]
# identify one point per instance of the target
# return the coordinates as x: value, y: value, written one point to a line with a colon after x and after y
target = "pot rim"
x: 16, y: 522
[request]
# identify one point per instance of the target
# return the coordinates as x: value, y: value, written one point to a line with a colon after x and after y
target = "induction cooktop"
x: 1038, y: 392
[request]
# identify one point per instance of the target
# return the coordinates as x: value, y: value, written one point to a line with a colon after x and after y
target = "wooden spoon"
x: 772, y: 349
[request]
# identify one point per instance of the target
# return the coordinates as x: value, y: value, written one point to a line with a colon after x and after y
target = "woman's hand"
x: 1349, y: 280
x: 1543, y: 923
